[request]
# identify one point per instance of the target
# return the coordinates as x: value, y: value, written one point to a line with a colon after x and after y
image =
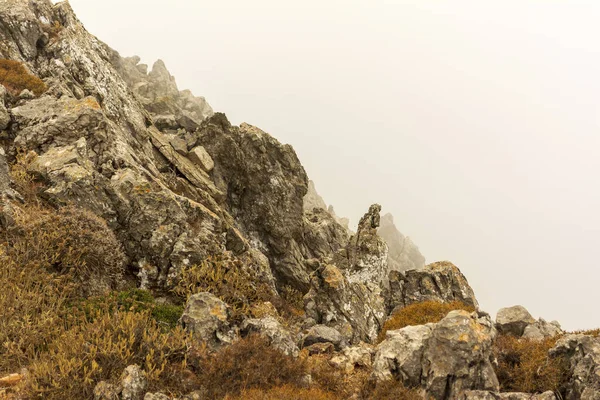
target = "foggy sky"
x: 474, y: 122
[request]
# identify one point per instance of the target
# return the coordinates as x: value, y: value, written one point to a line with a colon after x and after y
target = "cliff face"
x: 189, y: 196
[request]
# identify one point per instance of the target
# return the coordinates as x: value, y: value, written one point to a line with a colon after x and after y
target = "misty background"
x: 475, y: 123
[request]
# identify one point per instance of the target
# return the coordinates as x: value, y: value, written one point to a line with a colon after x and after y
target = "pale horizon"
x: 476, y: 125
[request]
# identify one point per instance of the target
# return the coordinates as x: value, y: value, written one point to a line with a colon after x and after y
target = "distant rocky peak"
x: 313, y: 200
x: 403, y: 253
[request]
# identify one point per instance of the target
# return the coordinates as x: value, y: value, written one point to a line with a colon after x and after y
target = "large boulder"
x: 269, y: 327
x: 513, y: 320
x: 541, y: 329
x: 400, y: 355
x: 207, y: 318
x: 440, y: 281
x: 582, y: 353
x: 444, y: 359
x: 322, y: 334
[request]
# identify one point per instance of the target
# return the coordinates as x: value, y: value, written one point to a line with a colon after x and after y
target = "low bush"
x: 524, y: 365
x: 249, y: 363
x: 420, y: 314
x: 32, y: 310
x: 69, y: 240
x: 101, y: 349
x: 15, y: 78
x: 228, y: 280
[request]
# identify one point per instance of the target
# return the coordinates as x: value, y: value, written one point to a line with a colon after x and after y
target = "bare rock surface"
x: 513, y: 320
x: 207, y: 318
x: 440, y: 281
x: 444, y: 359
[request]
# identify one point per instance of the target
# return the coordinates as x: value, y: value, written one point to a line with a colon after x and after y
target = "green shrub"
x: 524, y: 365
x: 420, y: 314
x: 15, y: 78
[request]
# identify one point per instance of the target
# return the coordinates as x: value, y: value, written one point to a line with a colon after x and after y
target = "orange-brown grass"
x: 389, y: 390
x: 287, y: 392
x: 524, y: 365
x: 15, y: 78
x: 420, y: 314
x: 249, y: 363
x: 70, y: 240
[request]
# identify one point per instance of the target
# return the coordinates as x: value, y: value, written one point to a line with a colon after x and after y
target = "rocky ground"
x: 146, y: 240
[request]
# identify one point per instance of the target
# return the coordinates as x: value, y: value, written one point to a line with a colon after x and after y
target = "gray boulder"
x: 400, y: 355
x: 440, y: 281
x: 270, y: 328
x: 133, y: 383
x: 540, y: 330
x: 582, y: 352
x: 323, y: 334
x: 206, y: 317
x: 444, y: 359
x: 513, y: 320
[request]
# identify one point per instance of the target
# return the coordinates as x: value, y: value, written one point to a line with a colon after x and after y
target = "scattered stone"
x: 352, y: 357
x: 133, y: 383
x: 206, y: 317
x: 200, y: 157
x: 486, y: 395
x: 156, y: 396
x: 322, y: 334
x: 269, y: 327
x: 541, y: 330
x: 513, y: 320
x: 106, y: 391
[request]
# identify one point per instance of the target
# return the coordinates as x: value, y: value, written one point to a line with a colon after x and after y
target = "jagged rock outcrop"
x: 322, y: 235
x: 403, y: 253
x: 440, y: 281
x: 582, y: 352
x: 348, y: 293
x: 444, y: 359
x: 541, y: 329
x: 171, y: 108
x: 313, y: 200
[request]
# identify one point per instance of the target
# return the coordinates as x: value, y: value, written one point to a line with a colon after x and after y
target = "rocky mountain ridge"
x: 228, y: 211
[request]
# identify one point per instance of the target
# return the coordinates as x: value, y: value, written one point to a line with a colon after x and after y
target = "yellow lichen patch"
x: 217, y: 311
x: 78, y: 105
x: 333, y: 276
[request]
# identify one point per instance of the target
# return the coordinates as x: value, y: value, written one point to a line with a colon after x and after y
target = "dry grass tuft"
x: 15, y: 78
x: 228, y: 280
x: 524, y: 365
x: 287, y: 392
x: 420, y: 314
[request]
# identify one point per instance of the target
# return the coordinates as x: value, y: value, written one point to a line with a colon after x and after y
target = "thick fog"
x: 474, y: 122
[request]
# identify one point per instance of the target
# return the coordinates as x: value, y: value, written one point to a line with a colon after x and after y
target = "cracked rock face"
x: 444, y: 359
x: 441, y: 281
x: 582, y: 352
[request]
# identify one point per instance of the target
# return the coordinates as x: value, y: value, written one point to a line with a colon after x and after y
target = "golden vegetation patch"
x: 249, y: 363
x: 228, y: 280
x: 287, y: 392
x: 524, y: 365
x: 15, y: 78
x: 420, y: 314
